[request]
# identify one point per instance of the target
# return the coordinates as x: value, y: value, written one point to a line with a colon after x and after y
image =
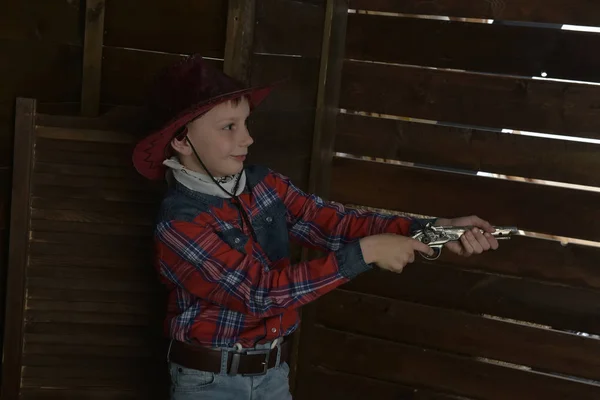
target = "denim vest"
x: 269, y: 224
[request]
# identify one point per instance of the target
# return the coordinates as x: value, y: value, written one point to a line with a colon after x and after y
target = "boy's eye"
x: 228, y: 127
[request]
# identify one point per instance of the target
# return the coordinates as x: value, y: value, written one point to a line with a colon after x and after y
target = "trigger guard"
x: 436, y: 250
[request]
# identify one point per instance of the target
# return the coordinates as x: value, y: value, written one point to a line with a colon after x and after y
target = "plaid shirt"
x: 230, y: 284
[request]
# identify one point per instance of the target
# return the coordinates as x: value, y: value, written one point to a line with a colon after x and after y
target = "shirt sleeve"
x: 328, y: 226
x: 196, y: 258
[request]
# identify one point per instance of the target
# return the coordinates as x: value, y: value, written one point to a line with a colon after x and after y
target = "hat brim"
x: 150, y: 152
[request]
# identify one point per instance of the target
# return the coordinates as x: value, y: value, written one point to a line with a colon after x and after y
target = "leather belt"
x: 245, y: 362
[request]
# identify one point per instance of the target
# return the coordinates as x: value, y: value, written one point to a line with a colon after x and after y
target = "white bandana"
x: 201, y: 182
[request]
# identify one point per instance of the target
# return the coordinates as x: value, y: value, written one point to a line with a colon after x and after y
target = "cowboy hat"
x: 181, y: 93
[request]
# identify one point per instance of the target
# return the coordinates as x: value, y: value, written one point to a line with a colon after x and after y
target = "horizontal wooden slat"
x: 82, y: 334
x: 53, y: 351
x: 579, y: 12
x: 469, y: 149
x: 461, y: 333
x: 416, y: 366
x: 85, y: 170
x: 44, y: 289
x: 108, y: 284
x: 320, y: 383
x: 560, y: 307
x: 574, y: 213
x: 93, y: 217
x: 85, y: 135
x: 48, y: 225
x: 88, y: 318
x: 525, y: 51
x: 47, y: 21
x: 128, y: 74
x: 289, y: 27
x: 119, y: 245
x: 45, y: 145
x: 114, y: 118
x: 116, y: 195
x: 140, y: 213
x: 140, y: 277
x: 70, y: 260
x: 88, y: 375
x: 150, y: 392
x: 137, y: 184
x: 473, y: 99
x: 179, y: 26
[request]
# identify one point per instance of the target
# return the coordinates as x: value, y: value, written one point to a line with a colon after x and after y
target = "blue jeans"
x: 192, y: 384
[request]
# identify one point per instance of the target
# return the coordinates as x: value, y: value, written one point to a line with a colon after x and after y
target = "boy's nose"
x: 246, y: 138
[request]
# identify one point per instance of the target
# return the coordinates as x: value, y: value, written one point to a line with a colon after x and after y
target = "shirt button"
x: 269, y: 219
x: 274, y: 330
x: 237, y: 240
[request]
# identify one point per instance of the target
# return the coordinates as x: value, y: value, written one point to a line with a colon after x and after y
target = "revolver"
x: 437, y: 236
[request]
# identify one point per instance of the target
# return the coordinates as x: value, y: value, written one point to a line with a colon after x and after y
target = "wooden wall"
x: 435, y: 95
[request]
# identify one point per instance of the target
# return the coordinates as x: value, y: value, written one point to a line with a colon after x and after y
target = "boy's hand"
x: 471, y: 242
x: 392, y: 252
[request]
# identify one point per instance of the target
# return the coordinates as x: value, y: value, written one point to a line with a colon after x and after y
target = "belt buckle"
x: 267, y: 353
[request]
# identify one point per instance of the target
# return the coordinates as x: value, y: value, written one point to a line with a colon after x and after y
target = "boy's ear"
x: 180, y: 145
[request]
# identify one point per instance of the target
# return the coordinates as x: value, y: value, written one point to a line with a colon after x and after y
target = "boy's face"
x: 221, y: 139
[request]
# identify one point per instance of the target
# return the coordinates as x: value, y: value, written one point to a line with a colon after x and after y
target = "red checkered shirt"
x: 228, y: 283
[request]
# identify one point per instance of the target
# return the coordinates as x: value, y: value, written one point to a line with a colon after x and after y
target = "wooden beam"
x: 18, y: 246
x: 92, y: 57
x: 332, y: 59
x: 239, y: 39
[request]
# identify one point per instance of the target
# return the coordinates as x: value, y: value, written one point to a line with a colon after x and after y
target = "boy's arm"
x: 197, y: 259
x: 329, y: 226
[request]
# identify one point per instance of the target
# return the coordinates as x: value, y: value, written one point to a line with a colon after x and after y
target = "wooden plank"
x: 92, y: 57
x: 240, y: 38
x: 332, y: 60
x: 138, y: 275
x: 469, y: 149
x: 84, y: 227
x: 502, y: 202
x: 411, y: 365
x: 88, y: 335
x: 579, y: 12
x: 39, y: 289
x: 48, y: 179
x: 517, y: 50
x: 44, y: 71
x: 85, y: 135
x: 179, y: 26
x: 113, y: 118
x: 79, y: 376
x: 556, y: 306
x: 289, y: 27
x: 323, y: 384
x: 472, y: 99
x: 41, y: 20
x: 92, y: 217
x: 140, y: 213
x: 545, y: 260
x: 84, y: 170
x: 127, y: 74
x: 461, y: 333
x: 117, y: 195
x: 122, y: 150
x: 17, y: 261
x: 91, y: 393
x: 88, y: 318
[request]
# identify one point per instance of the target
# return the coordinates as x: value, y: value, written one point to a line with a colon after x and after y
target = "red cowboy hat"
x: 182, y: 92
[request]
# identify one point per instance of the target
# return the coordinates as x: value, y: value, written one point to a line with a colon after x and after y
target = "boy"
x: 222, y: 240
